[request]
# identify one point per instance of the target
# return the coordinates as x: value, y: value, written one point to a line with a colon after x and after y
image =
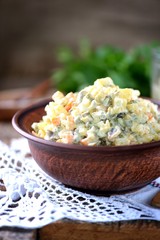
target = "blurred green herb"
x: 127, y: 69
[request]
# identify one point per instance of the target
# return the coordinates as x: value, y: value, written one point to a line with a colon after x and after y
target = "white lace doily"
x: 31, y: 199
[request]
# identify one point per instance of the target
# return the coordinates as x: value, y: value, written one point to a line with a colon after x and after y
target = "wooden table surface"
x: 75, y: 230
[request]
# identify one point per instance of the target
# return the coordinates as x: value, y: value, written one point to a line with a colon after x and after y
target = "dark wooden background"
x: 31, y: 31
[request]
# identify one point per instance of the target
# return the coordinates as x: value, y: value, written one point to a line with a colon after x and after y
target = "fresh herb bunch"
x: 82, y: 68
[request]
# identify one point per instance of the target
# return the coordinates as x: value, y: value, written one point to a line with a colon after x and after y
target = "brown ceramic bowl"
x: 104, y: 168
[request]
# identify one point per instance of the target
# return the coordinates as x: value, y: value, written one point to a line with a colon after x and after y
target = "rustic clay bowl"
x: 112, y: 169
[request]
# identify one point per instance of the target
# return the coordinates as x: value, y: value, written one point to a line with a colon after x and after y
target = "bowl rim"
x: 16, y: 119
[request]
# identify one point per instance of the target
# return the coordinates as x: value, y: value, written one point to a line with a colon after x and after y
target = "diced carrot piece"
x: 69, y: 106
x: 56, y: 121
x: 69, y: 138
x: 150, y: 116
x: 84, y: 142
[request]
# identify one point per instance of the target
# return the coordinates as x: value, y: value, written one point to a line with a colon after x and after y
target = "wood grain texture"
x: 156, y: 200
x: 17, y: 234
x: 7, y: 132
x: 137, y: 230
